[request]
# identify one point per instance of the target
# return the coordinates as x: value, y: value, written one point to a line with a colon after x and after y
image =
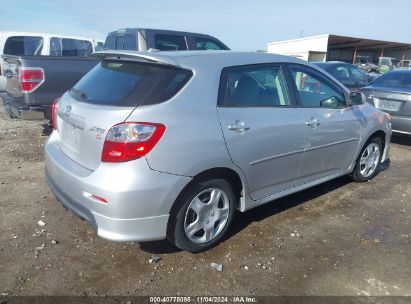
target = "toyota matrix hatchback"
x: 149, y: 146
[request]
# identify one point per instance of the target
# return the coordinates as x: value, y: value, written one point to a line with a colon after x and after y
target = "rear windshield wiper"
x: 79, y: 93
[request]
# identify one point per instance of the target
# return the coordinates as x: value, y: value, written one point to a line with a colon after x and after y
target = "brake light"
x: 54, y: 109
x: 131, y: 140
x: 30, y: 79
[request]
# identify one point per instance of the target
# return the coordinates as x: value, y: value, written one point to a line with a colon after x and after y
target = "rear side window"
x: 70, y: 47
x: 253, y: 87
x: 23, y: 45
x: 170, y: 42
x: 201, y: 43
x: 126, y: 83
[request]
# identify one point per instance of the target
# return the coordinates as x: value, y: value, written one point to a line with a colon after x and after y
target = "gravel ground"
x: 339, y: 238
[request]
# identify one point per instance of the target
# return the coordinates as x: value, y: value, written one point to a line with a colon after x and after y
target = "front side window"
x: 170, y: 42
x: 253, y: 87
x: 23, y: 45
x: 201, y: 43
x: 314, y: 91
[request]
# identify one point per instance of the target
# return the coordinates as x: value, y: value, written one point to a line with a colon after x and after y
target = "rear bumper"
x: 122, y: 230
x: 401, y: 124
x: 139, y: 199
x: 19, y: 109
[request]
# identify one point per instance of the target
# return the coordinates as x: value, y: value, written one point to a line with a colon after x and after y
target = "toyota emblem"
x: 67, y: 111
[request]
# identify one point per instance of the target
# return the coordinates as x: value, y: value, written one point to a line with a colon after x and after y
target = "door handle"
x: 313, y: 122
x: 239, y: 126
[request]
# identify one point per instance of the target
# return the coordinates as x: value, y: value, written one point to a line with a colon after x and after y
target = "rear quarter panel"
x: 193, y: 141
x: 372, y: 120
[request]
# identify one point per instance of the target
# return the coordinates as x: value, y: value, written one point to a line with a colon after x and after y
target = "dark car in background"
x: 348, y: 74
x: 140, y: 39
x: 391, y: 92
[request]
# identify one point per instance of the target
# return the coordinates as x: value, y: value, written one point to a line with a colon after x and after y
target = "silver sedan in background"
x: 149, y: 146
x: 391, y: 93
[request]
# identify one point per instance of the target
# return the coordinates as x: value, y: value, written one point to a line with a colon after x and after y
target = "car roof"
x: 129, y: 30
x: 41, y: 34
x: 219, y: 59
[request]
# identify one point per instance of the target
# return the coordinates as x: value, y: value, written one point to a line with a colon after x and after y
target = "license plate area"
x: 71, y: 136
x: 387, y: 105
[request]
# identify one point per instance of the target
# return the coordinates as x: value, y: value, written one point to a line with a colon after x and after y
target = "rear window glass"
x: 23, y: 45
x: 70, y: 47
x: 394, y: 79
x: 125, y: 83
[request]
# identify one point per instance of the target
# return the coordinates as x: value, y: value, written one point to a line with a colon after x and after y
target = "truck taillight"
x: 130, y: 140
x: 54, y: 110
x: 30, y: 78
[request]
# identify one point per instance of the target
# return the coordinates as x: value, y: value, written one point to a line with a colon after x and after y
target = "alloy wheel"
x: 207, y: 215
x: 369, y: 160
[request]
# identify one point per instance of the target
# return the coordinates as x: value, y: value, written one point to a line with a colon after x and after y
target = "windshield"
x: 126, y: 83
x: 394, y: 79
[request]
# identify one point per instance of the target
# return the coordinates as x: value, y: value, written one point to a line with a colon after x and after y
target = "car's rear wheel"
x: 369, y: 160
x: 203, y: 215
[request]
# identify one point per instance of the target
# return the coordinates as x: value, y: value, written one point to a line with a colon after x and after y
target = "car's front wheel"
x: 369, y: 160
x: 203, y: 215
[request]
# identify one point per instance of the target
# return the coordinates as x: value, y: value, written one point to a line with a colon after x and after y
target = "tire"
x: 369, y: 160
x: 198, y: 223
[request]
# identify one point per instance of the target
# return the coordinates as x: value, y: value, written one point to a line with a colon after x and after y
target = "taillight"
x: 131, y: 140
x: 30, y: 78
x: 54, y: 110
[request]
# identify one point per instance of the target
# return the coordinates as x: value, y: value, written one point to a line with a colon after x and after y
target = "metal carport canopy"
x: 336, y: 42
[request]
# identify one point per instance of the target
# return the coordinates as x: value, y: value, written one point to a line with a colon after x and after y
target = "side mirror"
x: 332, y: 102
x: 357, y: 98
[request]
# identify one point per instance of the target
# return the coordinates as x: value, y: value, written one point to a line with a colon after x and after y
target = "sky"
x: 242, y: 25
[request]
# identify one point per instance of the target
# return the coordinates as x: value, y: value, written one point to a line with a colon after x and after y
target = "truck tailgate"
x: 60, y: 74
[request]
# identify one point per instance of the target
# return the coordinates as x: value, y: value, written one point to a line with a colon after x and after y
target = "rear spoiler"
x: 153, y: 57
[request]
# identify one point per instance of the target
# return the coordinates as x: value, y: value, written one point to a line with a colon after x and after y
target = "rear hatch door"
x: 83, y: 127
x: 106, y: 96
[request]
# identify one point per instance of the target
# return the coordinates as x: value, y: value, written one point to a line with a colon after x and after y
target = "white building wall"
x: 300, y: 48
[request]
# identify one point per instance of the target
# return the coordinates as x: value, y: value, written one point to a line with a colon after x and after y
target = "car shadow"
x: 242, y: 220
x: 401, y: 139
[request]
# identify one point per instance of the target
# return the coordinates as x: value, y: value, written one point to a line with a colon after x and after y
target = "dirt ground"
x: 339, y: 238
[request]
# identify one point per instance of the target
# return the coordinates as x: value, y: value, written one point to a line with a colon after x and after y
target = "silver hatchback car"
x: 159, y: 145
